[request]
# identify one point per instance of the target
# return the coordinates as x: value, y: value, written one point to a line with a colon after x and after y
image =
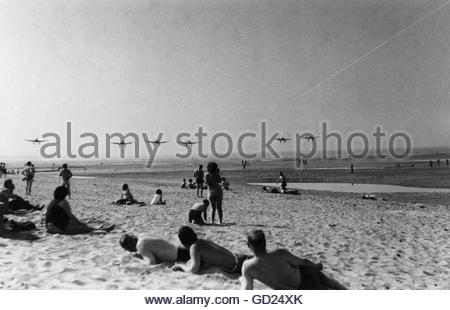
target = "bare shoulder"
x: 249, y: 265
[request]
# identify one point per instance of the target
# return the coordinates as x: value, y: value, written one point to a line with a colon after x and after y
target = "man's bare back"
x: 278, y: 270
x: 281, y: 269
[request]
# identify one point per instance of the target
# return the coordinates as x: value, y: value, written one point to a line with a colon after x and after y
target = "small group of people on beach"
x: 278, y: 269
x: 126, y: 198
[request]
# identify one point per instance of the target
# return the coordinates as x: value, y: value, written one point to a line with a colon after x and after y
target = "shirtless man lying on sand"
x: 282, y: 270
x: 156, y: 250
x: 205, y: 253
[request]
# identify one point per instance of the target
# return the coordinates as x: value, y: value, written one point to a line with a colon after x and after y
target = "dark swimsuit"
x: 57, y: 216
x: 310, y: 278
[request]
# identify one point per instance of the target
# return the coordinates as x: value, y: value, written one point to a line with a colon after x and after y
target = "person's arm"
x: 146, y: 252
x: 193, y: 265
x: 246, y: 279
x: 205, y: 214
x: 65, y: 206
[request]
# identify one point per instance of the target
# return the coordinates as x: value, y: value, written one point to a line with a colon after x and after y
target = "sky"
x: 172, y: 66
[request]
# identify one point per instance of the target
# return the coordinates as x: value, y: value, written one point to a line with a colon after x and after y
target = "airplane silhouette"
x: 310, y: 138
x: 35, y: 141
x: 283, y: 139
x: 157, y: 141
x: 122, y: 143
x: 188, y: 142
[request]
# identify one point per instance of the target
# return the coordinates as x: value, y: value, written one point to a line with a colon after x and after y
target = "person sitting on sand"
x: 205, y: 253
x: 225, y: 184
x: 66, y: 175
x: 282, y: 182
x: 59, y: 218
x: 155, y: 250
x: 126, y: 197
x: 12, y: 202
x: 157, y: 198
x: 282, y: 270
x: 196, y: 212
x: 183, y: 184
x: 191, y: 185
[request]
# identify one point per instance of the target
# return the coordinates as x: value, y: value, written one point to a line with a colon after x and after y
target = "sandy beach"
x: 365, y: 244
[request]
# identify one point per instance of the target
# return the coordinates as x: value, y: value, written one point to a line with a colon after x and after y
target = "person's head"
x: 9, y: 184
x: 223, y: 179
x: 187, y: 236
x: 281, y: 173
x: 184, y: 180
x: 64, y: 166
x: 206, y: 202
x: 158, y: 191
x: 190, y: 180
x: 28, y: 163
x: 264, y: 188
x: 212, y: 167
x: 125, y: 187
x: 128, y: 242
x: 200, y: 167
x: 256, y: 241
x: 60, y: 193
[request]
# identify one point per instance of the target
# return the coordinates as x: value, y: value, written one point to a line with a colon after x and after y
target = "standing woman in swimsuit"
x: 215, y: 194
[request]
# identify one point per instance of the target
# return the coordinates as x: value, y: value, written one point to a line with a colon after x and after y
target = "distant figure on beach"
x: 126, y: 197
x: 447, y: 162
x: 191, y: 185
x: 155, y: 250
x: 282, y: 182
x: 205, y: 253
x: 351, y: 168
x: 215, y: 193
x: 281, y: 270
x: 28, y: 173
x: 277, y: 191
x: 431, y: 164
x: 438, y: 162
x: 157, y: 198
x: 199, y: 176
x: 59, y: 218
x: 198, y: 213
x: 183, y: 184
x: 225, y: 184
x: 66, y: 175
x: 11, y: 202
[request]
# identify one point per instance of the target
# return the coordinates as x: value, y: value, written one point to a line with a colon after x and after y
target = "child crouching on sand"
x: 127, y: 198
x: 196, y: 212
x: 157, y: 198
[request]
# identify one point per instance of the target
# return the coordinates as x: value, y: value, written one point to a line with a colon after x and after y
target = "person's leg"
x: 219, y: 208
x: 77, y: 228
x: 213, y: 203
x: 198, y: 190
x: 201, y: 189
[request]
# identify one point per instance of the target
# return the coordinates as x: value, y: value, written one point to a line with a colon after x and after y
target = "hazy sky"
x: 171, y: 66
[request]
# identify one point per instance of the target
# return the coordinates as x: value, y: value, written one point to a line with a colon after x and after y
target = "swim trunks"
x: 310, y: 278
x: 196, y: 216
x: 183, y: 255
x: 240, y: 259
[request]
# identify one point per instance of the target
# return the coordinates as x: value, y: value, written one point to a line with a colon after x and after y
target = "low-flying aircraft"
x: 186, y: 143
x: 122, y: 143
x: 35, y: 141
x: 156, y: 142
x: 310, y: 137
x: 283, y: 139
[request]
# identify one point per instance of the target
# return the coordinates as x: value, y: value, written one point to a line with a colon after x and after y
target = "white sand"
x: 364, y: 244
